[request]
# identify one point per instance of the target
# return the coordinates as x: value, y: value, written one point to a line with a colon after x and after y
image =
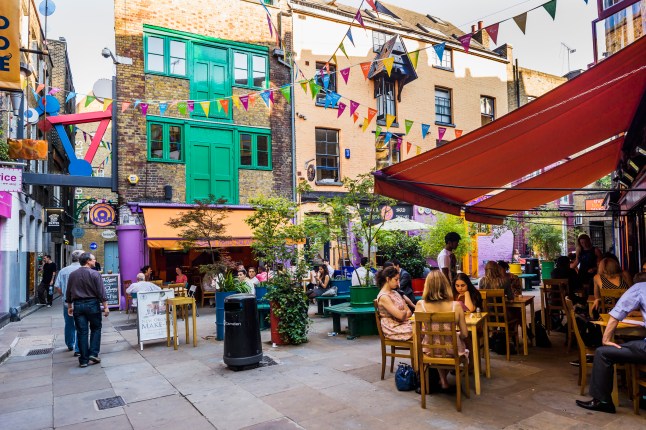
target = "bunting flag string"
x: 389, y: 120
x: 458, y: 133
x: 465, y: 41
x: 353, y: 107
x: 88, y: 100
x: 521, y: 21
x: 439, y: 50
x: 492, y: 31
x: 388, y: 64
x: 286, y: 91
x: 206, y: 106
x: 371, y: 114
x: 550, y: 7
x: 413, y: 57
x: 349, y: 36
x: 425, y: 129
x: 440, y: 133
x: 162, y: 108
x: 365, y: 68
x: 341, y: 108
x: 345, y: 74
x: 408, y: 123
x: 225, y: 105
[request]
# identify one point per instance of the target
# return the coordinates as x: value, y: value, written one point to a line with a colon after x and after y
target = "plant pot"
x: 219, y: 313
x: 418, y: 286
x: 275, y: 322
x: 342, y: 286
x: 546, y: 269
x: 515, y: 269
x: 363, y: 297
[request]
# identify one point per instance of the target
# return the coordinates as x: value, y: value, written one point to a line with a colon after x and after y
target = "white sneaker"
x: 49, y: 306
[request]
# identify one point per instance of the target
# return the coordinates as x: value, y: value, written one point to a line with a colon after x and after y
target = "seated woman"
x: 514, y: 281
x: 393, y: 311
x: 180, y: 278
x: 494, y: 279
x: 465, y: 293
x: 437, y: 297
x: 610, y: 277
x: 322, y: 282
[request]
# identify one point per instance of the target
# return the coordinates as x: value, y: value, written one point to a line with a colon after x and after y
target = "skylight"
x: 431, y: 30
x: 436, y: 19
x: 381, y: 16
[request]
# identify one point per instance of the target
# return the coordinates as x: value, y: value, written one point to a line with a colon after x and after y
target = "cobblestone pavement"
x: 330, y: 382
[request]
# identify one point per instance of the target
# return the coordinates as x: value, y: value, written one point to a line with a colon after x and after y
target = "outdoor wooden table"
x: 527, y: 279
x: 174, y: 303
x: 473, y: 324
x: 626, y: 329
x: 522, y: 302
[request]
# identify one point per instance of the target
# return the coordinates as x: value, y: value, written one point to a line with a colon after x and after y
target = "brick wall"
x: 242, y: 21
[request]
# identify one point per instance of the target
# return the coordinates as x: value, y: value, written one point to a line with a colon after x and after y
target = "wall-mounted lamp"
x: 116, y: 59
x: 301, y: 116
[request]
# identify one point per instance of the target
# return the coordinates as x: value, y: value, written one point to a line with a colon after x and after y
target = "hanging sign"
x: 10, y: 45
x: 102, y: 214
x: 54, y: 220
x: 10, y: 179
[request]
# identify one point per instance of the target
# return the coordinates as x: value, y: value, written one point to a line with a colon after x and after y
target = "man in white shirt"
x: 363, y: 272
x: 447, y: 260
x: 330, y: 269
x: 141, y: 286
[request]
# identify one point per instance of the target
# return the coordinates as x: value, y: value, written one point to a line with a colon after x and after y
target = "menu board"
x: 112, y: 284
x: 151, y: 314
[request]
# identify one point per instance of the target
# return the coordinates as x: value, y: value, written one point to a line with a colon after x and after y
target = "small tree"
x: 406, y: 249
x: 434, y: 243
x: 278, y: 241
x: 203, y: 226
x: 545, y: 238
x: 357, y: 211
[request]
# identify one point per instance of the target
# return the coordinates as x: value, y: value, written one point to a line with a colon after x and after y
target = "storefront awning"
x: 596, y: 106
x: 159, y: 235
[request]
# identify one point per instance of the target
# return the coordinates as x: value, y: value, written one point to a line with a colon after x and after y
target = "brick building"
x: 197, y: 53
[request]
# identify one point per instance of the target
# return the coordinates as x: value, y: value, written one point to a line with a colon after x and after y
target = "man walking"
x: 607, y: 356
x: 85, y: 293
x: 61, y: 287
x: 47, y: 281
x: 446, y: 260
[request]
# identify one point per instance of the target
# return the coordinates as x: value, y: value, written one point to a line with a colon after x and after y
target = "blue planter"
x: 219, y: 313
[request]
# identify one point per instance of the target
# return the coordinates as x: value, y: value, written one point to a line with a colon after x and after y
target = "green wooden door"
x: 210, y: 80
x: 211, y: 165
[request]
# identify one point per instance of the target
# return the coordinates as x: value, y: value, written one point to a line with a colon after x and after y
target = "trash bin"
x: 532, y: 266
x: 546, y: 269
x: 242, y: 346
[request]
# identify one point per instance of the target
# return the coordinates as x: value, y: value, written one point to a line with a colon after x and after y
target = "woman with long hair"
x: 438, y: 297
x: 394, y: 312
x: 322, y: 282
x: 495, y: 279
x: 587, y: 260
x: 465, y: 293
x: 610, y: 277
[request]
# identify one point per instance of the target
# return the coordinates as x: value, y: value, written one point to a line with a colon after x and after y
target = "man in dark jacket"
x: 405, y: 282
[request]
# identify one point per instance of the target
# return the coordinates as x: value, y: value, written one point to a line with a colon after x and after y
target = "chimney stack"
x: 480, y: 23
x: 473, y: 29
x: 480, y: 35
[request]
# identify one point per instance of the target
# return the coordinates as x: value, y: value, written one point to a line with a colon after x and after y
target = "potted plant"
x: 355, y: 218
x: 279, y: 242
x: 408, y: 251
x: 226, y: 285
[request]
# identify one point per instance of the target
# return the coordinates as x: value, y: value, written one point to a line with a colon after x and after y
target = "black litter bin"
x: 532, y: 266
x: 242, y: 346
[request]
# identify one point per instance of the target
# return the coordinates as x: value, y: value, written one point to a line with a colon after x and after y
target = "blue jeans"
x: 88, y: 313
x: 70, y: 330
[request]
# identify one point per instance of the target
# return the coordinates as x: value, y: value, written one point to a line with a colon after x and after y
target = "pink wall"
x: 499, y: 249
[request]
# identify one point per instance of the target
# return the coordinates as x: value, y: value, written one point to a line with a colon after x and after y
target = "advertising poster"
x: 10, y: 45
x: 151, y: 314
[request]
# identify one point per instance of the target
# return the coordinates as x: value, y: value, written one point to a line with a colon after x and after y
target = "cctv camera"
x: 106, y: 53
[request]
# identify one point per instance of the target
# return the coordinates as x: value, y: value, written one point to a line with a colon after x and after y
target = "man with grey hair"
x: 141, y: 286
x: 61, y: 287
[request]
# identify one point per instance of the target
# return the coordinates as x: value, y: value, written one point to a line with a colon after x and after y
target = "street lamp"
x: 18, y: 100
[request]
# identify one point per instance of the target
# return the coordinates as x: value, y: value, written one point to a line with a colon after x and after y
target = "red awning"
x: 596, y: 106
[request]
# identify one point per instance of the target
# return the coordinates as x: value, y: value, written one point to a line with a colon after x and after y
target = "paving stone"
x: 130, y: 371
x: 119, y: 422
x: 81, y: 407
x: 120, y: 358
x: 345, y: 419
x: 311, y: 403
x: 544, y: 420
x: 166, y: 412
x: 278, y: 424
x: 21, y: 400
x: 28, y: 419
x: 138, y: 389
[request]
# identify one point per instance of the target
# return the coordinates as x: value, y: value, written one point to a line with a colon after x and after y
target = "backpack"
x: 542, y: 340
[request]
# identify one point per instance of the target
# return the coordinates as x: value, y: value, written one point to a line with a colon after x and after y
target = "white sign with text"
x: 10, y: 179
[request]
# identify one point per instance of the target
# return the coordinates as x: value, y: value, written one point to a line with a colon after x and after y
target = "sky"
x: 88, y: 27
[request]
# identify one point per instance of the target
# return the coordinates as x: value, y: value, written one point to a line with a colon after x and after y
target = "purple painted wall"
x: 132, y: 251
x: 500, y: 249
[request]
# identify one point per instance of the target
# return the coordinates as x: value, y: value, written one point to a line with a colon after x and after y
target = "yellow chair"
x: 637, y: 381
x: 395, y: 345
x: 609, y: 298
x: 158, y: 282
x: 126, y: 284
x: 584, y: 351
x: 553, y: 294
x: 443, y: 355
x: 497, y: 318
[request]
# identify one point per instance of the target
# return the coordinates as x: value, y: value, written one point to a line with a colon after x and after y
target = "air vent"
x: 40, y: 351
x: 110, y: 402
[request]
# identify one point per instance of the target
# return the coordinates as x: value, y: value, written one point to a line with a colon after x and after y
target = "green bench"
x: 361, y: 320
x: 263, y: 311
x: 320, y: 301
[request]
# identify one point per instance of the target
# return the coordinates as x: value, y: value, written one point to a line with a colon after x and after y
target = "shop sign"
x: 112, y: 285
x: 53, y: 220
x: 78, y: 232
x: 387, y: 212
x: 5, y: 204
x: 108, y: 234
x: 10, y: 45
x: 594, y: 205
x: 102, y: 214
x: 10, y: 179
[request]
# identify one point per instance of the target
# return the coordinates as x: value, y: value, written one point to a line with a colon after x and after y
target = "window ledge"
x: 166, y: 75
x: 448, y: 69
x: 158, y: 160
x: 383, y: 122
x: 254, y: 168
x: 444, y: 124
x: 334, y: 184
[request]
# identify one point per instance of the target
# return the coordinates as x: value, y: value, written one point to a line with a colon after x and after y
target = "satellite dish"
x: 31, y: 116
x: 47, y: 7
x: 102, y: 89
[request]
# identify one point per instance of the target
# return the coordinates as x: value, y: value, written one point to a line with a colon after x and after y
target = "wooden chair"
x: 443, y: 355
x: 497, y: 318
x: 179, y: 289
x: 553, y: 295
x: 207, y: 295
x: 584, y: 351
x: 158, y: 282
x: 126, y: 284
x: 395, y: 345
x: 637, y: 381
x: 609, y: 298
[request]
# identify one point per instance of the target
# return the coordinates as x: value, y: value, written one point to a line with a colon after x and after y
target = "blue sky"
x: 88, y: 26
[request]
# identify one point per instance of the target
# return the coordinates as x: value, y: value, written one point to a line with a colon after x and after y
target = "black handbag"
x: 405, y: 378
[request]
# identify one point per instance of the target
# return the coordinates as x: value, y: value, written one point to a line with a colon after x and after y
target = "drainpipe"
x: 517, y: 82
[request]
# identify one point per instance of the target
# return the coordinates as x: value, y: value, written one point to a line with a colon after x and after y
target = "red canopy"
x: 597, y: 105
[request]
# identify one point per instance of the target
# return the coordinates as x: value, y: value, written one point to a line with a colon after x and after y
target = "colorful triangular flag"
x: 39, y: 88
x: 365, y: 125
x: 440, y: 132
x: 413, y: 57
x: 465, y: 41
x: 359, y: 19
x: 181, y: 108
x: 225, y: 105
x: 372, y: 4
x: 387, y: 137
x: 371, y: 113
x: 191, y: 105
x: 162, y: 108
x: 53, y: 91
x: 106, y: 104
x: 331, y: 99
x: 252, y: 99
x: 326, y: 81
x: 408, y: 124
x: 550, y: 7
x: 521, y: 21
x: 439, y: 50
x: 389, y: 120
x: 408, y: 147
x: 355, y: 117
x: 353, y: 107
x: 206, y: 106
x: 418, y: 150
x: 342, y: 48
x: 70, y: 96
x: 245, y: 101
x: 349, y: 36
x: 286, y: 91
x: 342, y: 107
x: 144, y: 109
x: 388, y: 64
x: 345, y: 74
x: 265, y: 97
x: 458, y: 133
x: 492, y: 31
x: 236, y: 102
x: 365, y: 68
x: 377, y: 132
x: 137, y: 102
x: 304, y: 86
x: 88, y: 100
x: 314, y: 89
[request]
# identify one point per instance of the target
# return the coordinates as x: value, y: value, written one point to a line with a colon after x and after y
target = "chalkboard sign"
x: 112, y: 284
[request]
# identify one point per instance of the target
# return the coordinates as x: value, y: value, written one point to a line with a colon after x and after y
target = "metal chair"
x: 395, y: 345
x: 442, y: 355
x: 130, y: 299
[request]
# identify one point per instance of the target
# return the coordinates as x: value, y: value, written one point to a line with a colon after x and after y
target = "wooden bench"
x: 328, y: 301
x: 361, y: 320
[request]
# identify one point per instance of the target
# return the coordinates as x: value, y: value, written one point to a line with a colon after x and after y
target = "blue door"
x: 111, y: 263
